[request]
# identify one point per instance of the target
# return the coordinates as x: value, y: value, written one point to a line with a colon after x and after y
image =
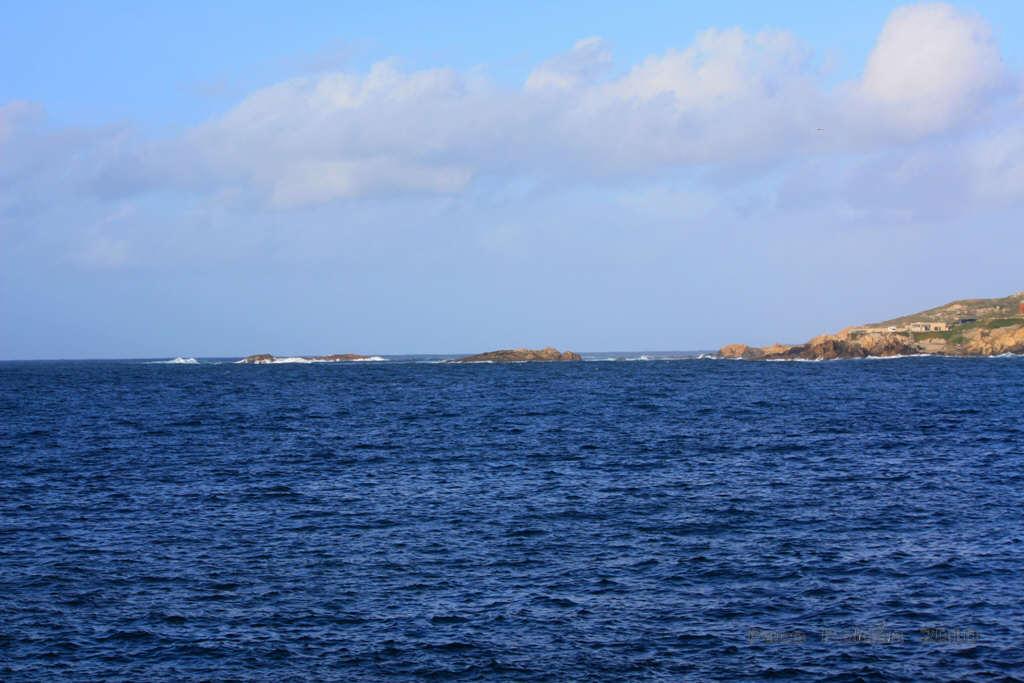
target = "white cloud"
x: 588, y: 60
x: 931, y: 67
x: 43, y: 166
x: 996, y: 165
x: 730, y: 98
x: 311, y: 182
x: 317, y: 139
x: 721, y: 67
x: 13, y: 114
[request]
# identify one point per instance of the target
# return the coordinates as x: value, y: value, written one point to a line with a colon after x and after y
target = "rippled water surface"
x: 665, y: 520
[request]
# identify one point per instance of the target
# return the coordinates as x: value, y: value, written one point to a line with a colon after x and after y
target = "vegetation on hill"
x: 981, y: 309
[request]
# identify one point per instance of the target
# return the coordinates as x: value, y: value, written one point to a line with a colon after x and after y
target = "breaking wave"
x: 653, y: 356
x: 180, y: 360
x: 286, y: 360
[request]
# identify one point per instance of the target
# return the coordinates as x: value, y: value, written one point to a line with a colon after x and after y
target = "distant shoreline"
x: 963, y: 328
x: 450, y: 359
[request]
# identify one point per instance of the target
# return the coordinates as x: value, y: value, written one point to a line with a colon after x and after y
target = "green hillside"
x: 984, y: 310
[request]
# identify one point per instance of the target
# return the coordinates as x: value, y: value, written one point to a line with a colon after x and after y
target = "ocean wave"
x: 833, y: 360
x: 301, y: 360
x: 894, y: 357
x: 180, y: 360
x: 650, y: 357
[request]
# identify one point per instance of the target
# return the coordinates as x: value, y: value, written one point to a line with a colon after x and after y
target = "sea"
x: 648, y: 517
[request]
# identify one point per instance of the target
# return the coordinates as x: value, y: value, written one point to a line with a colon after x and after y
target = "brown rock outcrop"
x: 993, y: 342
x: 978, y: 341
x: 830, y: 347
x: 521, y: 355
x: 776, y: 349
x: 741, y: 351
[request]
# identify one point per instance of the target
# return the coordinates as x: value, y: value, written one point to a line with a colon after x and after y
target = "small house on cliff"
x: 929, y: 327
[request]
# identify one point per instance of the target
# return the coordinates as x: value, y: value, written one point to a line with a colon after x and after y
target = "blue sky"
x: 179, y: 179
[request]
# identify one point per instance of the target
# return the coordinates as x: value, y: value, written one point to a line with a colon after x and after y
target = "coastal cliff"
x: 521, y: 355
x: 969, y: 327
x: 267, y: 359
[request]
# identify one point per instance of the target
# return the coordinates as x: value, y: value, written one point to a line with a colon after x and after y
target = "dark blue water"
x: 686, y: 520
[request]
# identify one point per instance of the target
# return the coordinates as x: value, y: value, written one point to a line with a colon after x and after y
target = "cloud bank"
x: 730, y: 102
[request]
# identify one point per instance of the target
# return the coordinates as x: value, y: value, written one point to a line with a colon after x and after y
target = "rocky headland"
x: 267, y: 359
x: 521, y: 355
x: 969, y: 327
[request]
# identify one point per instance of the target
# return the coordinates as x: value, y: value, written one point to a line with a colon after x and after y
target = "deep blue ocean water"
x: 664, y: 520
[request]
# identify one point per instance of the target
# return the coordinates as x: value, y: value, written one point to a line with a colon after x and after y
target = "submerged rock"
x: 258, y: 359
x: 521, y: 355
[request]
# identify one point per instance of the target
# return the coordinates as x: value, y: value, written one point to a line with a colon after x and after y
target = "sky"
x: 220, y: 179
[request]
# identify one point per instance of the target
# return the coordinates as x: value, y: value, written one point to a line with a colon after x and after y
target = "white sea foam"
x: 180, y: 360
x: 832, y: 360
x: 895, y: 357
x: 300, y: 360
x: 647, y: 357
